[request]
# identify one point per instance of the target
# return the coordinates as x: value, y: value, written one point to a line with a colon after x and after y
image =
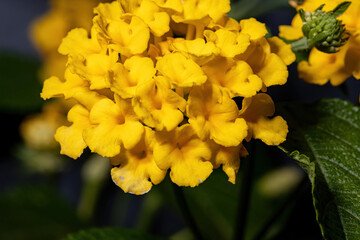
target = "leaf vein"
x: 341, y: 166
x: 337, y: 137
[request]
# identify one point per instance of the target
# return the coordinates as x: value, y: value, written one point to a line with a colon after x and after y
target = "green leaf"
x: 108, y: 233
x: 301, y: 55
x: 341, y: 8
x: 19, y: 84
x: 35, y: 212
x: 324, y: 138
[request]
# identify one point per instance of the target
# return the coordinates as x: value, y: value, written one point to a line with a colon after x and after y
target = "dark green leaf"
x: 341, y: 8
x: 324, y: 139
x: 19, y: 85
x: 301, y: 55
x: 109, y: 234
x: 302, y: 14
x: 34, y: 212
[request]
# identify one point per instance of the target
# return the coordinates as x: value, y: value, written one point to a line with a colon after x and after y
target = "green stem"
x: 88, y: 199
x: 150, y: 208
x: 293, y: 196
x: 301, y: 44
x: 180, y: 197
x: 248, y: 165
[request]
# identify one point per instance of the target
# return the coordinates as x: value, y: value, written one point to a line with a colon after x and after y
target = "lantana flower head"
x: 156, y: 83
x: 335, y: 67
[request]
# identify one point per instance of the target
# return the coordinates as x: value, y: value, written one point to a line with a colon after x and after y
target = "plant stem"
x: 293, y: 196
x: 180, y: 197
x: 245, y: 191
x: 301, y: 44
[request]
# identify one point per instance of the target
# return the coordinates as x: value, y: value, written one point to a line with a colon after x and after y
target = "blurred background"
x: 44, y: 195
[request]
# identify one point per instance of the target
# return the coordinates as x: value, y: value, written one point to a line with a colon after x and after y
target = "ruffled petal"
x: 253, y: 28
x: 180, y: 71
x: 283, y: 50
x: 230, y: 43
x: 186, y: 155
x: 71, y: 138
x: 115, y: 124
x: 137, y: 171
x: 270, y: 131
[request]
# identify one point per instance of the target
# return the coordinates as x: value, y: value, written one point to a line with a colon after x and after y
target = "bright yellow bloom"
x: 185, y: 154
x: 230, y: 43
x: 124, y: 78
x: 70, y: 138
x: 256, y: 111
x: 229, y: 158
x: 266, y: 63
x: 234, y: 77
x: 336, y: 67
x: 180, y: 71
x: 137, y: 166
x: 155, y: 82
x: 116, y: 125
x: 158, y: 106
x: 214, y: 115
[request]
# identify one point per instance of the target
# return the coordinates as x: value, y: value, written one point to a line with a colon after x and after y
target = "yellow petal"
x: 229, y: 42
x: 282, y: 49
x: 94, y: 68
x: 229, y: 158
x: 73, y: 87
x: 215, y: 115
x: 158, y: 21
x: 352, y: 60
x: 186, y: 155
x: 270, y: 131
x: 256, y: 111
x: 236, y: 78
x: 292, y: 32
x: 229, y: 133
x: 137, y: 170
x: 77, y: 42
x: 253, y: 28
x: 114, y: 124
x: 175, y: 5
x: 259, y: 105
x: 273, y: 71
x: 158, y: 106
x: 200, y: 51
x: 322, y: 66
x: 125, y: 78
x: 180, y: 71
x: 70, y: 138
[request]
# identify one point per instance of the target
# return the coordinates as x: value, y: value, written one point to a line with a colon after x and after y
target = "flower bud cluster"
x: 343, y: 62
x: 158, y: 84
x: 323, y: 30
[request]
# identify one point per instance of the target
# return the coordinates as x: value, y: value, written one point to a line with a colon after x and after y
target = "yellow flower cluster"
x: 322, y: 67
x: 155, y: 82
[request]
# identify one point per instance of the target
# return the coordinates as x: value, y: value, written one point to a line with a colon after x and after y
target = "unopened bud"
x: 323, y: 30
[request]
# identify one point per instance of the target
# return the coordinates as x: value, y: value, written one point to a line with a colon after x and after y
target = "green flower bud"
x: 322, y: 30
